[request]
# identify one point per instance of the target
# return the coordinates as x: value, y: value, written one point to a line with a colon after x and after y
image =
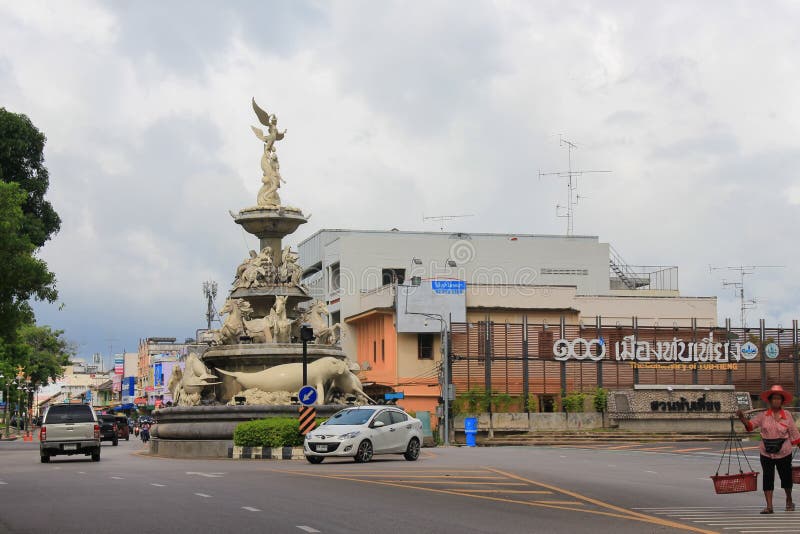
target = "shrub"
x: 574, y: 402
x: 273, y: 432
x: 533, y: 403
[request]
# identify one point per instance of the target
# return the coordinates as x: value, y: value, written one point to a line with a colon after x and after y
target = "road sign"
x: 308, y: 419
x: 307, y: 395
x: 772, y: 351
x: 453, y: 287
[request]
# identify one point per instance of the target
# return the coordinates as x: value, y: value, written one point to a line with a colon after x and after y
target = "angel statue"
x: 268, y: 194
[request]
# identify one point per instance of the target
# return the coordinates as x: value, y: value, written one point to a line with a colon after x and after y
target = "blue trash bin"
x: 471, y: 430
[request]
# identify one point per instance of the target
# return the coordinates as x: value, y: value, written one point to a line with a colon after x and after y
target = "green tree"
x: 22, y: 275
x: 44, y: 353
x: 22, y: 162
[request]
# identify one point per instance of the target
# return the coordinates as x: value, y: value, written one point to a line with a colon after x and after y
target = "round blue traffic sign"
x: 307, y: 396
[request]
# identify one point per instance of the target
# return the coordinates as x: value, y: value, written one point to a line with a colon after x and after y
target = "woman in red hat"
x: 778, y: 434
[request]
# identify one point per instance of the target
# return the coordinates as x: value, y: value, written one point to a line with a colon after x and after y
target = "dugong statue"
x: 325, y: 374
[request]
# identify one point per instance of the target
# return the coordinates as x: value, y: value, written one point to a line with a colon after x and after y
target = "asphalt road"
x: 621, y: 489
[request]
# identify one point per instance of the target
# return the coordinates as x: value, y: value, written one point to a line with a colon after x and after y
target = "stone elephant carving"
x: 325, y: 374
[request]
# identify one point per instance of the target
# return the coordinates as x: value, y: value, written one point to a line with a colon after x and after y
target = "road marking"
x: 117, y: 478
x: 632, y: 515
x: 651, y: 472
x: 3, y: 483
x: 695, y: 449
x: 450, y: 477
x: 307, y: 529
x: 627, y: 514
x: 455, y: 482
x: 533, y: 492
x: 623, y: 447
x: 81, y: 472
x: 207, y: 475
x: 250, y: 509
x: 661, y: 448
x: 204, y: 495
x: 157, y: 485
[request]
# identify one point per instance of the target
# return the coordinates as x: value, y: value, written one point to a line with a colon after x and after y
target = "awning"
x: 123, y: 407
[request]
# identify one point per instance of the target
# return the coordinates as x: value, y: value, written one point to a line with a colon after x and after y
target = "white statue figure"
x: 189, y: 386
x: 239, y: 280
x: 329, y: 375
x: 323, y: 334
x: 238, y: 323
x: 277, y: 321
x: 270, y: 167
x: 290, y: 271
x: 257, y: 271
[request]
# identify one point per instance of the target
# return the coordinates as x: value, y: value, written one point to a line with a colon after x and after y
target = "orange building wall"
x: 377, y: 345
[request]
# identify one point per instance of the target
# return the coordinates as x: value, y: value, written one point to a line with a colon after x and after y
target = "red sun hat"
x: 776, y: 390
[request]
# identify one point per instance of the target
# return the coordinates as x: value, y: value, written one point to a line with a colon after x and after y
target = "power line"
x: 441, y: 219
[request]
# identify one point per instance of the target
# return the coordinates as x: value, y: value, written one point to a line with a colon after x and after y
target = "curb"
x: 266, y: 453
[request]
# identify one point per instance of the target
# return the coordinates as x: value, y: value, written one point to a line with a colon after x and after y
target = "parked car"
x: 108, y: 429
x: 69, y: 429
x: 123, y: 430
x: 364, y: 431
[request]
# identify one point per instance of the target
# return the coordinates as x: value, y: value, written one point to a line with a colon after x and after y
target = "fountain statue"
x: 252, y: 368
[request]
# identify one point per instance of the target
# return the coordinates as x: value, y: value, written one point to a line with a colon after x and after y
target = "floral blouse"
x: 774, y: 428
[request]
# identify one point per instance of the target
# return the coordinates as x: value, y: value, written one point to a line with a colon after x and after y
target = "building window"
x: 374, y: 351
x: 383, y: 351
x: 425, y: 346
x: 336, y: 277
x: 391, y: 276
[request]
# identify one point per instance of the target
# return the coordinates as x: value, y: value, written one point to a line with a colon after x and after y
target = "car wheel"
x: 364, y: 452
x: 96, y: 456
x: 45, y: 458
x: 314, y: 459
x: 412, y: 451
x: 115, y: 443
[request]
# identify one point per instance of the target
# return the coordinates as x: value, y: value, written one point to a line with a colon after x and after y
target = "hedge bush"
x: 273, y: 432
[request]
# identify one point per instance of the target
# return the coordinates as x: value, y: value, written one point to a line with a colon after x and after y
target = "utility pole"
x: 738, y: 286
x: 210, y: 293
x: 568, y: 211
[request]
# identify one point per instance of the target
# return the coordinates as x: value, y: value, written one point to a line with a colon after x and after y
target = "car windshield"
x: 69, y: 414
x: 351, y: 417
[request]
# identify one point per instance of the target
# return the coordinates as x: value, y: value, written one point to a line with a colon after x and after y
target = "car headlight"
x: 349, y: 435
x: 308, y: 437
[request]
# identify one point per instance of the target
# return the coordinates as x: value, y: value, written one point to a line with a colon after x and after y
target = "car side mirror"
x: 377, y: 424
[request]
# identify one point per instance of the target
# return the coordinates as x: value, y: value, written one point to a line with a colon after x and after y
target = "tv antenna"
x: 210, y: 293
x: 738, y: 286
x: 568, y: 210
x: 441, y: 219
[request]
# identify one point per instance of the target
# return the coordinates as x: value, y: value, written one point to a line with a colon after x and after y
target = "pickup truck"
x: 69, y: 429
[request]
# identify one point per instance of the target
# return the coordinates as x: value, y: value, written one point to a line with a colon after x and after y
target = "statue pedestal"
x: 270, y: 225
x: 261, y: 299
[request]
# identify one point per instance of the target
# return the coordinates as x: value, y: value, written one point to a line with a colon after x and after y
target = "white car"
x: 364, y: 431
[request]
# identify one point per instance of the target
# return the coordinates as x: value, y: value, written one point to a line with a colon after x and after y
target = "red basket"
x: 796, y: 474
x: 740, y: 483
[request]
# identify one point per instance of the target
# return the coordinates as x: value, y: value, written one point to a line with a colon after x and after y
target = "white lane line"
x: 157, y: 485
x: 3, y: 483
x: 562, y: 456
x: 651, y: 472
x: 207, y: 475
x: 204, y: 495
x: 250, y: 509
x: 81, y: 472
x: 307, y: 529
x: 769, y: 530
x: 117, y: 478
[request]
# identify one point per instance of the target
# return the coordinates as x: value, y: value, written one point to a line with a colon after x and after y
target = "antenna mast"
x: 210, y: 292
x: 441, y: 219
x: 573, y: 197
x: 738, y: 286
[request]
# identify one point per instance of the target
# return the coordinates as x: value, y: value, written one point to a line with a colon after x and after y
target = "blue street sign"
x: 307, y: 395
x: 451, y: 287
x: 394, y: 396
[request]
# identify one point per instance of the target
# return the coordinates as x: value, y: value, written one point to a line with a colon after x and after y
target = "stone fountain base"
x: 207, y: 431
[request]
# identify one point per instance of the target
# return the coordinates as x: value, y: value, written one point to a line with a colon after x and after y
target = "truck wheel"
x: 96, y: 456
x: 45, y: 458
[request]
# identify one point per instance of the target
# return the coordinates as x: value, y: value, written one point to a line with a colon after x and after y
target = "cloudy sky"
x: 395, y: 110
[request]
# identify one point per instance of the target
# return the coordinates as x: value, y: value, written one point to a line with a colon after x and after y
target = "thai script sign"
x: 674, y: 351
x: 450, y: 287
x: 683, y: 405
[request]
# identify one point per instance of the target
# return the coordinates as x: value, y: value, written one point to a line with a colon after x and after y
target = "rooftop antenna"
x: 738, y: 286
x: 568, y: 211
x: 210, y: 293
x: 441, y: 219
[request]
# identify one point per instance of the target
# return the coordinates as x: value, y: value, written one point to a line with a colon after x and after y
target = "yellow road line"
x: 531, y: 492
x: 454, y: 482
x: 487, y: 498
x: 449, y: 477
x: 632, y: 515
x: 695, y: 449
x: 623, y: 446
x: 574, y: 503
x: 655, y: 448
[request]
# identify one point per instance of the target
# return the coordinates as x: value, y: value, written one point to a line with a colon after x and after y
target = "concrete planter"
x: 265, y: 453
